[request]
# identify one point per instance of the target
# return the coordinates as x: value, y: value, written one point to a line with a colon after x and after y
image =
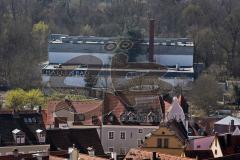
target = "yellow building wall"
x: 175, y: 146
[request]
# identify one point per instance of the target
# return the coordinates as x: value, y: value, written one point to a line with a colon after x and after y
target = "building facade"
x: 81, y: 54
x: 121, y: 138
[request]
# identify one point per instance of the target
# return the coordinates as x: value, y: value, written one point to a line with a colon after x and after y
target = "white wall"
x: 171, y: 60
x: 55, y: 81
x: 132, y: 136
x: 62, y: 57
x: 168, y: 60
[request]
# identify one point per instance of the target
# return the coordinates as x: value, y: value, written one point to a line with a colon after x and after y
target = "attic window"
x: 34, y: 120
x: 41, y: 135
x: 29, y: 120
x: 163, y: 132
x: 18, y: 136
x: 94, y: 119
x: 25, y: 120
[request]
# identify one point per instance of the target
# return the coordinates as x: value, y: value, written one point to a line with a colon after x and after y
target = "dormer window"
x: 18, y: 136
x: 151, y: 117
x: 94, y: 120
x: 123, y: 117
x: 41, y: 136
x: 131, y: 117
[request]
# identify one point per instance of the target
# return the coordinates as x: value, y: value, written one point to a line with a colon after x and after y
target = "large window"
x: 165, y: 143
x: 162, y: 143
x: 111, y: 135
x: 122, y: 151
x: 159, y: 143
x: 123, y: 135
x: 20, y: 139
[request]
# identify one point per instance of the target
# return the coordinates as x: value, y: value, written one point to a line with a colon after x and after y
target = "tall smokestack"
x: 151, y: 40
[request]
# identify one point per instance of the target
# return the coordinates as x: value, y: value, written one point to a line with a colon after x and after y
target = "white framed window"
x: 122, y: 135
x: 20, y: 139
x: 140, y: 130
x: 110, y: 135
x: 122, y: 151
x: 110, y: 149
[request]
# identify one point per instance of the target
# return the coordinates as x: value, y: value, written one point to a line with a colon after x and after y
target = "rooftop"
x: 227, y: 121
x: 202, y: 143
x: 139, y: 154
x: 81, y: 44
x: 62, y: 139
x: 24, y: 121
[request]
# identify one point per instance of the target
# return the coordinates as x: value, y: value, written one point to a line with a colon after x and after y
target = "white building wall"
x: 54, y: 81
x: 167, y: 60
x: 171, y: 60
x: 183, y: 82
x: 63, y: 57
x: 132, y: 136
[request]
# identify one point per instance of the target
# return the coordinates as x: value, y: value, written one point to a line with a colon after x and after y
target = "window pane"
x: 165, y: 143
x: 159, y: 143
x: 122, y: 135
x: 110, y: 135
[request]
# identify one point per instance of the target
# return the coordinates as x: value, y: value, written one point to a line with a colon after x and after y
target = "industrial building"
x: 70, y: 57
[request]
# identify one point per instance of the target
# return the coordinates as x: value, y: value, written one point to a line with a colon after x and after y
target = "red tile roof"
x: 202, y: 143
x: 112, y: 104
x: 138, y: 154
x: 87, y: 107
x: 81, y: 156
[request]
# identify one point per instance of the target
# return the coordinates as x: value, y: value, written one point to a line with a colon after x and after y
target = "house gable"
x: 164, y: 140
x: 216, y: 148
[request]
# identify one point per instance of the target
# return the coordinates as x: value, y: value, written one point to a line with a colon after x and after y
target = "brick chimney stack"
x: 151, y: 40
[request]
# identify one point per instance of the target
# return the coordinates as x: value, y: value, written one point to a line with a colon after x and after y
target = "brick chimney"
x: 151, y: 41
x: 162, y: 107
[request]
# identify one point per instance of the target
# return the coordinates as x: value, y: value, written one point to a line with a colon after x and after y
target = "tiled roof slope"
x: 9, y: 122
x: 22, y: 157
x: 200, y: 147
x: 138, y: 154
x: 179, y: 130
x: 87, y: 107
x: 62, y: 139
x: 227, y: 121
x: 203, y: 143
x: 113, y: 105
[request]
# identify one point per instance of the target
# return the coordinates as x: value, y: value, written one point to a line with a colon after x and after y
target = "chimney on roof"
x: 91, y: 151
x: 228, y: 139
x: 151, y: 40
x: 39, y: 109
x: 154, y: 156
x: 15, y: 153
x: 162, y: 106
x: 73, y: 152
x: 232, y: 127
